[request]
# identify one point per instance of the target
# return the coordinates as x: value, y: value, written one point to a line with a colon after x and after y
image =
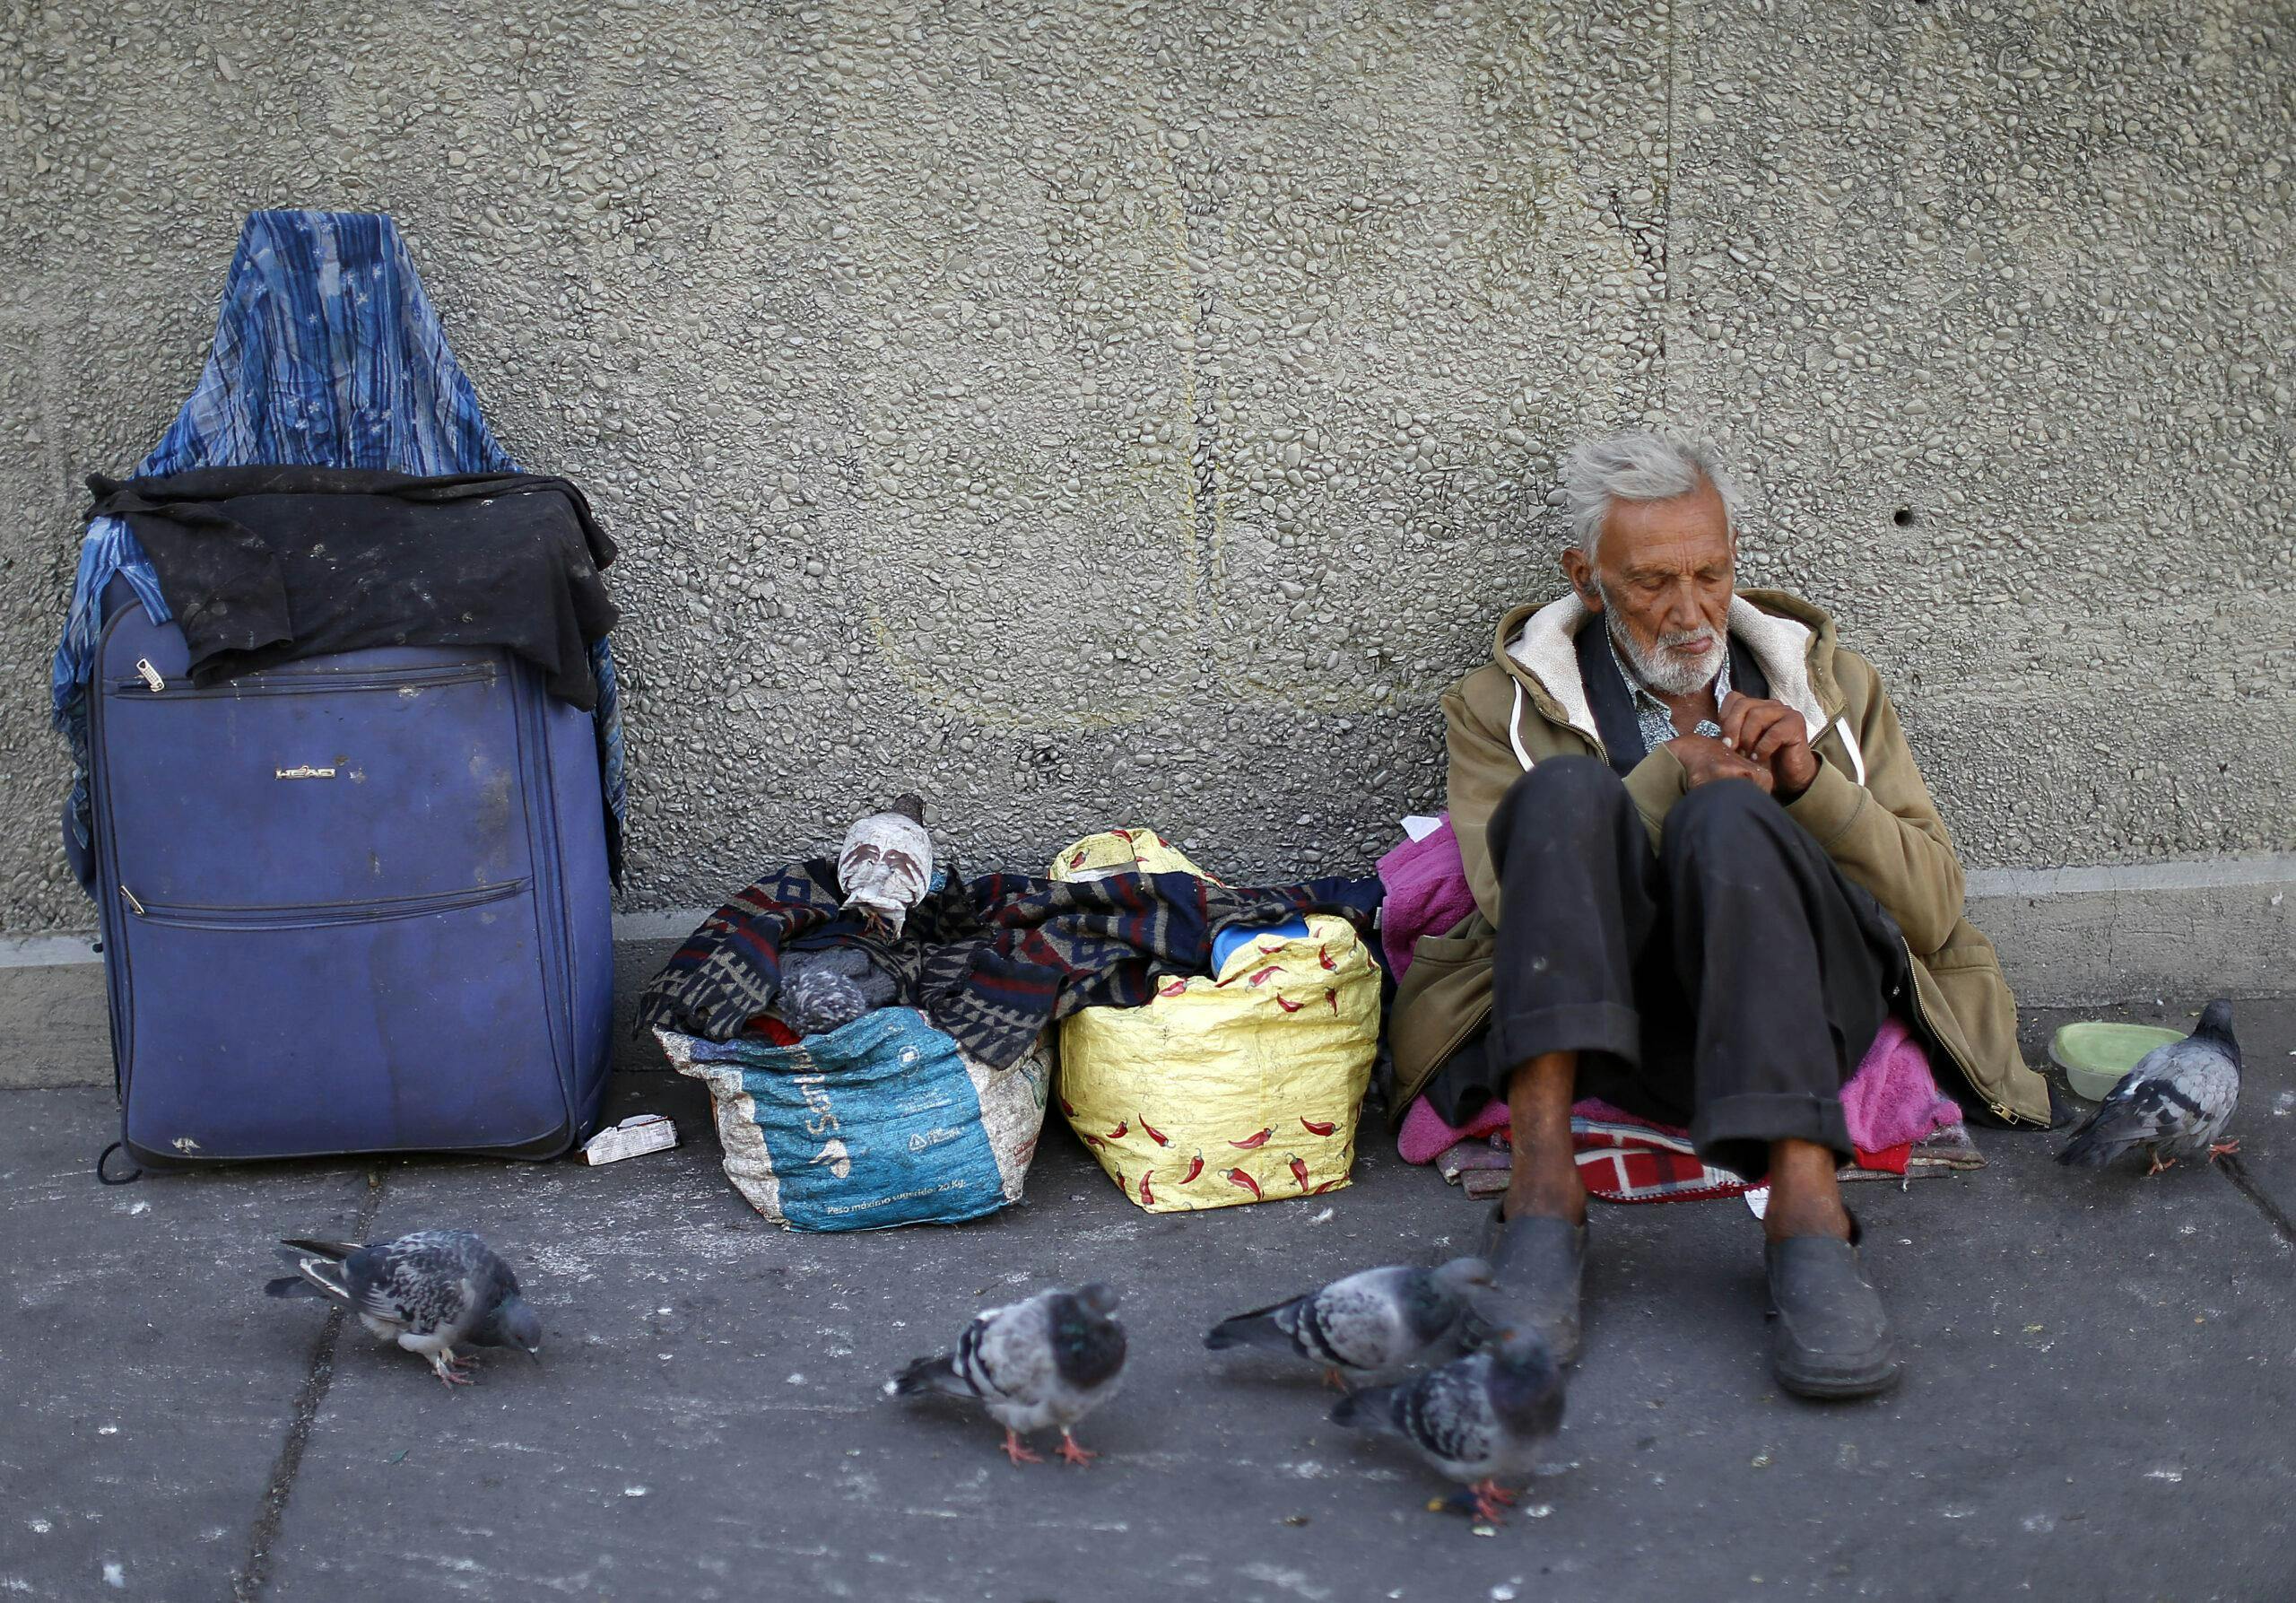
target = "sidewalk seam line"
x: 2245, y: 1183
x: 254, y: 1576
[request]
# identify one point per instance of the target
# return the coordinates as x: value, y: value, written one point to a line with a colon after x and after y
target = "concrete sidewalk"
x: 2102, y: 1374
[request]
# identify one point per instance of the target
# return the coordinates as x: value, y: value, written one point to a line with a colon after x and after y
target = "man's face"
x: 1663, y: 578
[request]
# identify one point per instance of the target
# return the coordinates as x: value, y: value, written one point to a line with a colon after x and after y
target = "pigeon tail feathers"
x: 1372, y: 1409
x: 1258, y: 1328
x: 2095, y: 1144
x: 322, y: 1275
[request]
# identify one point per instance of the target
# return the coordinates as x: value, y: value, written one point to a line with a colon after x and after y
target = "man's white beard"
x: 1663, y: 669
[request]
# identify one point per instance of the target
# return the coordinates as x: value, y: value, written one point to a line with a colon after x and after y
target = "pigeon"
x: 2174, y: 1104
x: 430, y: 1292
x: 1476, y: 1419
x: 886, y: 863
x: 1047, y: 1361
x: 830, y: 987
x: 1370, y: 1326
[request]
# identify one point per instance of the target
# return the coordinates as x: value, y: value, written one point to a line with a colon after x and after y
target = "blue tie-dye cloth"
x: 328, y: 354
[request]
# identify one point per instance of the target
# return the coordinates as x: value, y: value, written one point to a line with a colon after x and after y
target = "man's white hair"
x: 1637, y: 465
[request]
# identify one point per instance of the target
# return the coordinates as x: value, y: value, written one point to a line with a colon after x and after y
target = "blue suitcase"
x: 355, y: 903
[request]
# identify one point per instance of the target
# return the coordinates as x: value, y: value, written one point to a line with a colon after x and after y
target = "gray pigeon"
x: 1048, y: 1361
x: 2174, y: 1104
x: 430, y: 1292
x: 1370, y: 1326
x: 1476, y: 1419
x: 886, y: 863
x: 825, y: 989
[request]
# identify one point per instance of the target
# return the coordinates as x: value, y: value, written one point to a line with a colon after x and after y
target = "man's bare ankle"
x: 1815, y: 1215
x: 1546, y: 1200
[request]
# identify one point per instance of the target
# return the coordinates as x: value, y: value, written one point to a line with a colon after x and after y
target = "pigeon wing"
x: 1360, y: 1322
x: 1447, y: 1415
x: 429, y: 1284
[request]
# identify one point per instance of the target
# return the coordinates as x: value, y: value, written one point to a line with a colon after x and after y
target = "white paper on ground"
x: 1757, y: 1200
x: 632, y: 1137
x: 1419, y: 827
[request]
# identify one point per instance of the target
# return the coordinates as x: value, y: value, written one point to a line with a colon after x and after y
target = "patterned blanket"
x: 991, y: 961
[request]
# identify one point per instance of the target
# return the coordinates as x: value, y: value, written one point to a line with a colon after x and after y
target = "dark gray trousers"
x: 1730, y: 981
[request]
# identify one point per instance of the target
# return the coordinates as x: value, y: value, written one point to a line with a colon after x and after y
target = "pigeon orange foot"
x: 1070, y: 1453
x: 1334, y: 1379
x: 2160, y: 1165
x: 2222, y: 1149
x: 1018, y: 1450
x: 1491, y: 1500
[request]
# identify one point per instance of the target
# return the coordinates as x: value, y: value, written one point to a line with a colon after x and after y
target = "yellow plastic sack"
x: 1241, y: 1087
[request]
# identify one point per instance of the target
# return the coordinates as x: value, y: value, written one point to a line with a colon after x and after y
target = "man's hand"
x: 1707, y: 760
x: 1773, y: 734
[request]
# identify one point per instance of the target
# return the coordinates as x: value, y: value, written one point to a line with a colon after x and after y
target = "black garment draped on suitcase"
x: 1730, y: 981
x: 267, y: 565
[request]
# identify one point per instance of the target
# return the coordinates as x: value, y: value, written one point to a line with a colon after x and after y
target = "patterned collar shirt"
x: 1656, y: 718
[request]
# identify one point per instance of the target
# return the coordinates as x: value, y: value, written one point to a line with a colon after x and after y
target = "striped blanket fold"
x: 989, y: 961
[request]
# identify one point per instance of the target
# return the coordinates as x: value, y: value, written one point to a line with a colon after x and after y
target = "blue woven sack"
x: 886, y: 1122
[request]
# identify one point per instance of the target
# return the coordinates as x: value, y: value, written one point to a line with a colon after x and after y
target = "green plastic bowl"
x: 2095, y: 1055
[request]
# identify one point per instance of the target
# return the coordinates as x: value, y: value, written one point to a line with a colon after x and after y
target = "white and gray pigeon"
x: 1047, y: 1361
x: 825, y: 989
x: 2174, y: 1104
x: 886, y: 863
x: 1370, y: 1326
x: 1476, y: 1419
x: 430, y: 1292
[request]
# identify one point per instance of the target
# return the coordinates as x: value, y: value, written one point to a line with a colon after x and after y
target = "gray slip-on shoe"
x: 1537, y: 1265
x: 1833, y: 1337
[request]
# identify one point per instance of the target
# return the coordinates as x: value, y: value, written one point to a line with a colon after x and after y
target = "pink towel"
x: 1891, y: 1101
x: 1426, y: 893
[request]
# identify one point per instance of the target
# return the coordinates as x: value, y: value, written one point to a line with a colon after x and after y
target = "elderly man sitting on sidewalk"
x: 1706, y: 868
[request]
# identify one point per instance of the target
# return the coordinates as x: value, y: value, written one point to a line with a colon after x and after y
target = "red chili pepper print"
x: 1236, y: 1177
x: 1154, y: 1133
x: 1147, y: 1191
x: 1195, y: 1168
x: 1327, y: 1185
x: 1174, y: 987
x: 1118, y: 1134
x: 1332, y: 996
x: 1299, y: 1167
x: 1249, y: 1142
x: 1323, y: 957
x: 1313, y: 1128
x: 1068, y: 1107
x: 1287, y: 1005
x: 1261, y: 977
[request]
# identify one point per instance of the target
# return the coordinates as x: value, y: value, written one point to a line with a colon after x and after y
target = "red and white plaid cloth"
x: 1625, y: 1159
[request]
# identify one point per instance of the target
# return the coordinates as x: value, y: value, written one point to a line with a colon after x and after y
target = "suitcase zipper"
x: 317, y: 914
x: 274, y: 683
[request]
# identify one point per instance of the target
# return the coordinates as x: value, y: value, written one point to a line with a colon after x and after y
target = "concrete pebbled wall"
x: 1101, y: 412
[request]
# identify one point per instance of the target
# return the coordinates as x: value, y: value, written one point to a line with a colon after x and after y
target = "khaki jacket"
x: 1868, y: 807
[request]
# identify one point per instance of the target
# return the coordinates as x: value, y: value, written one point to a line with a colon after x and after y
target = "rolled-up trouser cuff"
x: 1735, y: 1132
x: 1578, y: 1027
